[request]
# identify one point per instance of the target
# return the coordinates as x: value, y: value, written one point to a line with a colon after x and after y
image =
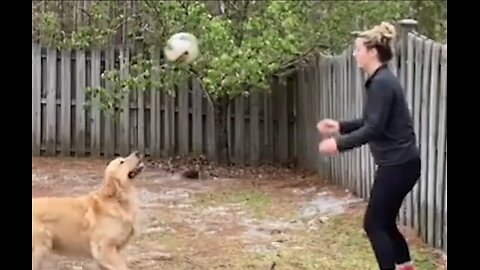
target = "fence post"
x: 406, y: 26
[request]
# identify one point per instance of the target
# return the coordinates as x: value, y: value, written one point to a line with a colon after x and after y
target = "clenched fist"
x: 328, y: 147
x: 328, y: 127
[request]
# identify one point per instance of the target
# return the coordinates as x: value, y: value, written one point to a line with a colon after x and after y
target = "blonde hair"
x: 379, y: 37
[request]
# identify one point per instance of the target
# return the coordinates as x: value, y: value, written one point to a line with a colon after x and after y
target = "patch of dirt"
x: 325, y: 204
x: 232, y: 218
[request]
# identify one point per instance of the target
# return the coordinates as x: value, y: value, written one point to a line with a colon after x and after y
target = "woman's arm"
x: 380, y: 97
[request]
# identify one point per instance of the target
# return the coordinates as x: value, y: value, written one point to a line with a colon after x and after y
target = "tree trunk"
x: 220, y: 111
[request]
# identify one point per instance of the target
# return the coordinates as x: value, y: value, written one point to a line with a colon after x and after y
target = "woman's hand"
x: 328, y: 147
x: 328, y: 127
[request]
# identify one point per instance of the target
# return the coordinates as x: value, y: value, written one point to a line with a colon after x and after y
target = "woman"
x: 387, y: 127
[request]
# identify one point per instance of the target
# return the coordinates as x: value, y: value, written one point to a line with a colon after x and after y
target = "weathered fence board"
x: 348, y: 109
x: 432, y: 136
x: 51, y: 99
x: 330, y: 105
x: 417, y: 120
x: 267, y: 129
x: 441, y: 163
x: 254, y: 128
x: 357, y: 112
x: 338, y: 114
x: 36, y: 99
x: 155, y: 113
x: 424, y: 136
x: 445, y: 218
x: 109, y: 142
x: 281, y: 106
x: 168, y: 128
x: 66, y: 91
x: 300, y: 112
x: 317, y: 106
x: 409, y: 88
x: 197, y: 118
x: 125, y: 113
x: 211, y: 137
x: 324, y: 168
x: 308, y: 123
x: 183, y: 120
x: 79, y: 101
x: 239, y: 131
x: 155, y: 123
x: 96, y: 124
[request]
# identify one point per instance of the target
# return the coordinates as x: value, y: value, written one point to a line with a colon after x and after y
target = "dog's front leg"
x: 41, y: 246
x: 108, y: 257
x: 37, y: 257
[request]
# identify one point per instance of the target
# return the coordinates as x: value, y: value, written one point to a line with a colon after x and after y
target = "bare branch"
x: 184, y: 5
x: 222, y: 7
x: 158, y: 17
x: 245, y: 9
x: 290, y: 65
x: 197, y: 74
x: 232, y: 3
x: 86, y: 12
x: 149, y: 5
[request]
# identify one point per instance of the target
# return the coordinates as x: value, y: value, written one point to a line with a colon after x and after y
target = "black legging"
x: 392, y: 184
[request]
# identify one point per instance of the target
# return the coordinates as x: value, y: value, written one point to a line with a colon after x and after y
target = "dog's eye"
x: 121, y: 161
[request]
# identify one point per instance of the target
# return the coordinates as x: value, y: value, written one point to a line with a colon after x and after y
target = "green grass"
x: 256, y: 203
x: 339, y: 244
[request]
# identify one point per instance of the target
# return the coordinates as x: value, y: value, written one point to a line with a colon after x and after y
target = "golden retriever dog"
x: 97, y: 225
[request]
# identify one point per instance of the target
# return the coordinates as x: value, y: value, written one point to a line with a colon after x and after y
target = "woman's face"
x: 362, y: 55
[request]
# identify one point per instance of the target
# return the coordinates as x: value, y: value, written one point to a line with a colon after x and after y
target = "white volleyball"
x: 181, y: 48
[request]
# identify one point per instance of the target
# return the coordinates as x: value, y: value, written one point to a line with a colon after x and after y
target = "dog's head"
x: 125, y: 168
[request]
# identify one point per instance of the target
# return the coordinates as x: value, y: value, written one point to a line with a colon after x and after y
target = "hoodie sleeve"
x: 347, y: 126
x: 379, y: 100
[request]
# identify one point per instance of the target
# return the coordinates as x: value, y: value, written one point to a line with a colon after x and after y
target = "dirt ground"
x: 262, y: 219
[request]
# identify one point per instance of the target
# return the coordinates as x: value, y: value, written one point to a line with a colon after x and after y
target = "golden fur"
x: 97, y: 225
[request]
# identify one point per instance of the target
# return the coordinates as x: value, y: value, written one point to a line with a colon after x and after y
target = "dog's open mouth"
x: 136, y: 171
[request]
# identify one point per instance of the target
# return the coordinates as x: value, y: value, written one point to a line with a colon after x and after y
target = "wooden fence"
x: 262, y: 128
x: 152, y: 121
